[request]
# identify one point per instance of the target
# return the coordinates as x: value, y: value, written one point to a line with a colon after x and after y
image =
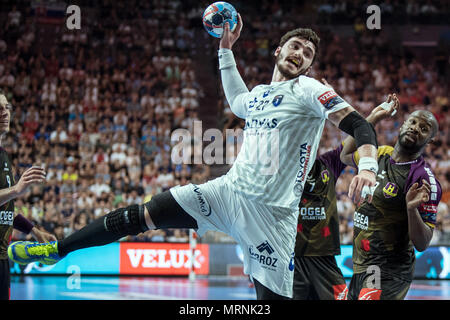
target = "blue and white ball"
x: 216, y: 15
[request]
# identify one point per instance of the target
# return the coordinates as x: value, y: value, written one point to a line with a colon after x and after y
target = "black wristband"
x: 22, y: 224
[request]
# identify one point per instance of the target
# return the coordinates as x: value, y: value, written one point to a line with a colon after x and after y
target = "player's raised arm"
x: 233, y: 85
x: 352, y: 123
x: 379, y: 113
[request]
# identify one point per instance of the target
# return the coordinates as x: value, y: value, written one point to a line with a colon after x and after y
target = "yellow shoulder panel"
x: 381, y: 151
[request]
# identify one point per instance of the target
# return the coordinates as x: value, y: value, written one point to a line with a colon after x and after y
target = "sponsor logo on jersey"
x: 266, y: 261
x: 277, y: 100
x: 313, y: 213
x: 203, y: 205
x: 265, y: 246
x: 428, y: 208
x: 329, y: 99
x: 433, y: 185
x: 390, y: 190
x: 428, y: 213
x: 305, y: 153
x: 261, y: 123
x: 340, y: 291
x: 360, y: 221
x: 6, y: 218
x: 369, y: 294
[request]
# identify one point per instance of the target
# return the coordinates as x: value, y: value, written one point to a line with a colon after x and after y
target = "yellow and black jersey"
x: 318, y: 223
x: 380, y: 235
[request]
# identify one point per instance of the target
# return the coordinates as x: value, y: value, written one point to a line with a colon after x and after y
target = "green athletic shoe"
x: 25, y: 252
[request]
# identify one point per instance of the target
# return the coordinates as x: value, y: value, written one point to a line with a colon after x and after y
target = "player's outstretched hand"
x: 228, y: 37
x: 384, y: 110
x: 42, y: 236
x: 30, y: 176
x: 417, y: 195
x: 362, y: 187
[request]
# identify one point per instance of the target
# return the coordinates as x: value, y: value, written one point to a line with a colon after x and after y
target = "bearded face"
x: 417, y: 131
x: 295, y: 57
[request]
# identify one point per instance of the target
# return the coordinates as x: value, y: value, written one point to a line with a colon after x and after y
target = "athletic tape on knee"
x: 126, y: 221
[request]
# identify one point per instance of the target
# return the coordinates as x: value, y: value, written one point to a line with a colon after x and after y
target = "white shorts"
x: 266, y: 234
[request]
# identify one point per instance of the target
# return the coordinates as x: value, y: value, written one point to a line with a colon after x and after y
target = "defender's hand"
x: 416, y: 196
x: 42, y: 236
x: 228, y: 37
x: 380, y: 113
x: 30, y: 176
x: 362, y: 186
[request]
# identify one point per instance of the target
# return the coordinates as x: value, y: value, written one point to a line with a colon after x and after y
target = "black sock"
x: 94, y: 234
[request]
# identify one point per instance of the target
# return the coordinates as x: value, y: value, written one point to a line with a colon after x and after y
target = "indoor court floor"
x: 167, y: 288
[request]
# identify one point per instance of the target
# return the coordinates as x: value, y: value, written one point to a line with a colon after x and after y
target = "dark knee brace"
x: 165, y: 212
x: 126, y: 221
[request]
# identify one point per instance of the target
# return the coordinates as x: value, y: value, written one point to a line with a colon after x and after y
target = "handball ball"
x: 216, y: 15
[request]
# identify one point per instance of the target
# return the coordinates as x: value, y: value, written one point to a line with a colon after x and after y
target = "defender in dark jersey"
x: 401, y: 217
x: 9, y: 219
x: 317, y: 275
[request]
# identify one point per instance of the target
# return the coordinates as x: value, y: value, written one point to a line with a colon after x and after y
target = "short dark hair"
x: 305, y: 33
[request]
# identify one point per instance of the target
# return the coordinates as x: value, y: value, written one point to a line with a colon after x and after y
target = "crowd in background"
x: 399, y: 11
x: 98, y: 107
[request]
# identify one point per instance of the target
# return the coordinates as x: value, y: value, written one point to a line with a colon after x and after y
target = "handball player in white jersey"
x: 256, y: 202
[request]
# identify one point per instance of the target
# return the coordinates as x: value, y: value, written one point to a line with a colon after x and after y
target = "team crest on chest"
x: 390, y: 190
x: 325, y: 176
x: 277, y: 100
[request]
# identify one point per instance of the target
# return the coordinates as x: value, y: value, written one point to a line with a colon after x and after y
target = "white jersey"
x: 283, y: 126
